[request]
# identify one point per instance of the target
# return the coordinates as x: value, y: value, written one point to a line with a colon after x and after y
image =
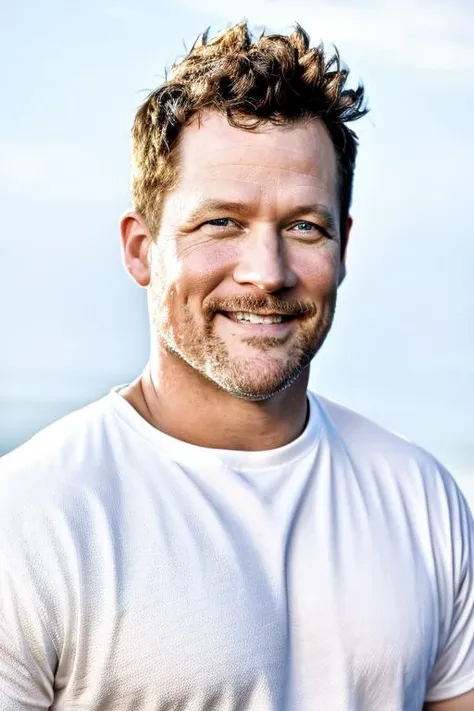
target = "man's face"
x: 246, y: 265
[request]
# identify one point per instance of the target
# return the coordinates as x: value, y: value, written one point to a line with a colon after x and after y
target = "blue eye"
x: 310, y: 229
x: 306, y: 226
x: 219, y: 222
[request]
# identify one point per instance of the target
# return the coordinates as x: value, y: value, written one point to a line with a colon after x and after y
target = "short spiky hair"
x: 275, y: 78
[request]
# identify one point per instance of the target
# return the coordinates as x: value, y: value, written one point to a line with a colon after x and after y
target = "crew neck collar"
x: 236, y: 459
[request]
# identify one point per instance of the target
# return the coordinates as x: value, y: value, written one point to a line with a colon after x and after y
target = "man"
x: 214, y: 536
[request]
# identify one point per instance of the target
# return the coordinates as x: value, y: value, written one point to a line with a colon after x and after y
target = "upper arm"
x: 451, y: 686
x: 27, y: 655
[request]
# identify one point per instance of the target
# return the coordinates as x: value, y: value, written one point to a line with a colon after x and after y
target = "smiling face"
x: 245, y: 268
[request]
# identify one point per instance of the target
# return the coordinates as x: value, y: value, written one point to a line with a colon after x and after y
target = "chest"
x: 326, y: 607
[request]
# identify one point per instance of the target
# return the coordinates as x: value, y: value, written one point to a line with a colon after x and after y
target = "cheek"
x: 204, y: 267
x: 318, y: 272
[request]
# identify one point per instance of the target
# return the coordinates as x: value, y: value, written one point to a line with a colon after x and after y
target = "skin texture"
x: 460, y: 703
x: 274, y: 247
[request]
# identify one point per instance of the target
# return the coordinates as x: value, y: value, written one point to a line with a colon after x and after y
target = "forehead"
x: 295, y: 155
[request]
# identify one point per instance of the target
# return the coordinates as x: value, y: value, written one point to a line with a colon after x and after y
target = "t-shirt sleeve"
x: 27, y: 654
x: 453, y: 673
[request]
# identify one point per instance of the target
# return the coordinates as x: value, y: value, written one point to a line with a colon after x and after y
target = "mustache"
x: 286, y: 307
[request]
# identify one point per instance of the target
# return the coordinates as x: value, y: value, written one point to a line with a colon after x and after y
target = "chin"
x: 242, y: 383
x: 256, y: 374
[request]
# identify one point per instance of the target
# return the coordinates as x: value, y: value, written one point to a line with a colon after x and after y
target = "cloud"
x: 429, y: 35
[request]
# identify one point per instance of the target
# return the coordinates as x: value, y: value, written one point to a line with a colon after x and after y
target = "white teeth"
x: 255, y: 318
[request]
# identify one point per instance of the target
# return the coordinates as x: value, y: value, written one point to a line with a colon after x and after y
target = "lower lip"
x: 274, y: 330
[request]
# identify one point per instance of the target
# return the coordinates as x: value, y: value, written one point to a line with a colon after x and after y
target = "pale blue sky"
x: 73, y: 324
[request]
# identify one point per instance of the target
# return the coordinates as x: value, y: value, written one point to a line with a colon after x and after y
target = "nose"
x: 264, y: 263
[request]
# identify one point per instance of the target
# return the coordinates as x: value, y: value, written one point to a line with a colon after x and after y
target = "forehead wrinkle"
x: 307, y: 148
x: 272, y: 190
x: 220, y: 180
x: 262, y: 167
x: 254, y: 193
x: 233, y: 158
x: 255, y: 149
x: 260, y: 186
x: 229, y: 190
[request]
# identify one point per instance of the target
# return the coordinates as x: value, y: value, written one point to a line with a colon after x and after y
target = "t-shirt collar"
x: 236, y: 459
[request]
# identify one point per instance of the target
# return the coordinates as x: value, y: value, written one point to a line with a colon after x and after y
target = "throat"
x: 193, y: 418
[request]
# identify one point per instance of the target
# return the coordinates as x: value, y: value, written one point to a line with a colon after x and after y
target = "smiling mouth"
x: 248, y: 317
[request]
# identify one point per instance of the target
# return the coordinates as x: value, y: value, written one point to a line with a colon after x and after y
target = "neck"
x: 177, y: 400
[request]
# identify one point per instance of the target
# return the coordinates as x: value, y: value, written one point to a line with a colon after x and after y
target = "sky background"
x: 72, y: 322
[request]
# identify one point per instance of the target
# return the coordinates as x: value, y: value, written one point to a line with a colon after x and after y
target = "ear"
x: 135, y: 245
x: 342, y: 265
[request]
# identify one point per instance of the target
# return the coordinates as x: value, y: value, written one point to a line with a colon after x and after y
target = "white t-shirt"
x: 143, y: 573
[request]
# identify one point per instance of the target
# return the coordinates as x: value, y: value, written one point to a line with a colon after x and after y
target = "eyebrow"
x: 201, y: 212
x: 225, y: 206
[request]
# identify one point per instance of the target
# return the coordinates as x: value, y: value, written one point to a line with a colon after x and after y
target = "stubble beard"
x: 257, y: 378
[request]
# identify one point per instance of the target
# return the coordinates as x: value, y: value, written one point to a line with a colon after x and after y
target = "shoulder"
x: 51, y: 488
x: 391, y: 460
x: 365, y: 438
x: 411, y: 486
x: 57, y: 452
x: 44, y: 485
x: 50, y: 472
x: 357, y: 429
